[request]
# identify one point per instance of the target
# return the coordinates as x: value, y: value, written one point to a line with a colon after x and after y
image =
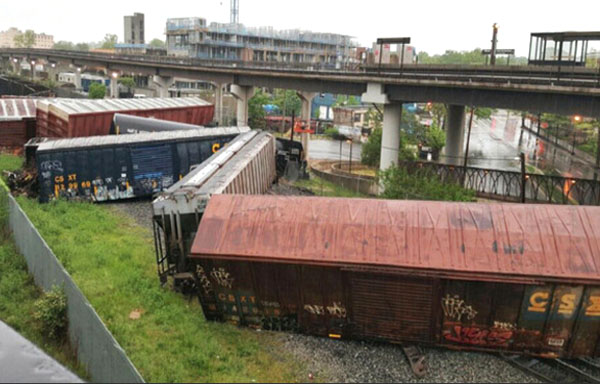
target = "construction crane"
x: 235, y: 12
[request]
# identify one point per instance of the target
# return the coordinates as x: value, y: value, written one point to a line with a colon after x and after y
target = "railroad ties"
x: 582, y: 370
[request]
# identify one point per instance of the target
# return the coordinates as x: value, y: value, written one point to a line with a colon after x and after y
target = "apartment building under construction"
x: 193, y: 37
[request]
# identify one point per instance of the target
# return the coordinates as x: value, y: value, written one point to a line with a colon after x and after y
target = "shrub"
x: 97, y: 91
x: 421, y: 184
x: 333, y: 133
x: 371, y: 150
x: 51, y: 312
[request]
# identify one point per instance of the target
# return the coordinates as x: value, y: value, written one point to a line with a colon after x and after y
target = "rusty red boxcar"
x: 509, y: 277
x: 67, y: 118
x: 17, y: 122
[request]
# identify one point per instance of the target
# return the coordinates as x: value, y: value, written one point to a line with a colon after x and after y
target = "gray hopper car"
x: 245, y: 166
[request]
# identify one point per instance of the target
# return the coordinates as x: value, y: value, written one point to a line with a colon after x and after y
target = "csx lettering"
x: 538, y: 302
x: 59, y: 179
x: 73, y: 177
x: 216, y: 147
x: 593, y: 307
x: 567, y: 304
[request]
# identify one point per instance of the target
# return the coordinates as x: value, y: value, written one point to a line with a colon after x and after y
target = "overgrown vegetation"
x: 321, y: 187
x: 112, y: 261
x: 18, y: 292
x: 420, y: 184
x: 51, y: 312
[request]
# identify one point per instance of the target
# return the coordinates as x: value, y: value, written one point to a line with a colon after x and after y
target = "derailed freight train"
x: 104, y: 168
x: 518, y: 278
x: 246, y: 165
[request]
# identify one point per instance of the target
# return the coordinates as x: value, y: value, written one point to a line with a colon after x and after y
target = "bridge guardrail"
x: 542, y: 75
x: 508, y: 185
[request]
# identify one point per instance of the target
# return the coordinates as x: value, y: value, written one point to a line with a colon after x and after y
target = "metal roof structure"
x: 17, y: 109
x: 84, y: 106
x: 23, y: 362
x: 568, y: 36
x: 497, y: 242
x: 214, y: 175
x: 139, y: 138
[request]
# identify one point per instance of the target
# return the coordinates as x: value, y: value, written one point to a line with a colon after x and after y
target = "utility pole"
x: 523, y: 177
x: 494, y: 45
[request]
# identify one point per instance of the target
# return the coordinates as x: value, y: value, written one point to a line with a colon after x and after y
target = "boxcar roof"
x: 138, y: 138
x: 23, y: 362
x: 497, y: 241
x: 72, y: 107
x: 16, y: 109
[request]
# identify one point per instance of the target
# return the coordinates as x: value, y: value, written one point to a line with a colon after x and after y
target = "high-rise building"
x: 134, y: 29
x: 193, y: 37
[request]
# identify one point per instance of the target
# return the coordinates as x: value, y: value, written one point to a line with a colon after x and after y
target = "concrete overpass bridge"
x: 559, y: 90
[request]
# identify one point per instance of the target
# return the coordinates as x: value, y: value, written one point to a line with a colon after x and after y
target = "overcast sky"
x: 433, y: 25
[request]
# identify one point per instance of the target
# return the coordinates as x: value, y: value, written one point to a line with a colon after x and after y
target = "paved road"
x: 330, y: 150
x: 495, y: 144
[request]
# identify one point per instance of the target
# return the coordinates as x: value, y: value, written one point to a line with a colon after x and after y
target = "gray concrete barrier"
x: 97, y: 349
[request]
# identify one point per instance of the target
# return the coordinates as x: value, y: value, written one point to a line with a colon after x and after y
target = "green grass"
x: 10, y: 162
x: 18, y: 294
x: 321, y: 187
x: 112, y: 261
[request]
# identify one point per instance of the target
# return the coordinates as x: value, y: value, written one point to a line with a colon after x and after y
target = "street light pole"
x: 494, y: 45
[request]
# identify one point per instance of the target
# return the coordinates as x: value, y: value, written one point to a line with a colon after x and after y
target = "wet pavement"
x: 496, y: 144
x: 330, y: 150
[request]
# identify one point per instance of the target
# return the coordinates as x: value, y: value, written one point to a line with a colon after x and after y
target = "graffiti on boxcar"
x: 504, y: 325
x: 287, y: 323
x: 474, y: 335
x: 203, y: 280
x: 455, y: 308
x: 336, y: 310
x: 510, y: 249
x: 52, y: 165
x: 222, y: 277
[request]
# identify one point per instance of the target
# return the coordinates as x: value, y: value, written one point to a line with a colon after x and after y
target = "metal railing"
x: 507, y: 75
x: 508, y: 185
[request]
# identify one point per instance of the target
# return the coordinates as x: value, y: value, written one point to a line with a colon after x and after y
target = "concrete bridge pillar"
x: 455, y: 134
x: 162, y: 84
x: 306, y: 116
x: 219, y: 103
x: 114, y: 87
x: 78, y: 86
x: 242, y: 94
x: 392, y: 118
x: 16, y: 66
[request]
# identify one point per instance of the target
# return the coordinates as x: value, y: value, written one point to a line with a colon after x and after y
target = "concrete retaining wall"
x: 96, y: 347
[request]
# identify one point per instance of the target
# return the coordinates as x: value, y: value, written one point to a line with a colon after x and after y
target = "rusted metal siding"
x: 17, y: 122
x: 498, y: 242
x: 81, y: 118
x: 340, y: 291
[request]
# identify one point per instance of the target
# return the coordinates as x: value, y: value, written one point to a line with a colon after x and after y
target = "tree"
x: 484, y: 113
x: 345, y: 100
x: 371, y: 150
x: 82, y: 47
x: 127, y: 82
x: 439, y: 113
x: 256, y: 112
x: 25, y: 40
x: 436, y: 138
x: 63, y: 45
x: 109, y: 41
x: 287, y: 101
x: 97, y: 91
x: 157, y: 43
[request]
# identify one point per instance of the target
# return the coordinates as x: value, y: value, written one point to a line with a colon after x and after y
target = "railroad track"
x: 557, y: 371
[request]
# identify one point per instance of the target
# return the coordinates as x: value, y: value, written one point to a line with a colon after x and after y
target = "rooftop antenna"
x: 235, y: 12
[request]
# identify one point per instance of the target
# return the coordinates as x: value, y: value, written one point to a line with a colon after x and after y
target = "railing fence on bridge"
x: 508, y: 185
